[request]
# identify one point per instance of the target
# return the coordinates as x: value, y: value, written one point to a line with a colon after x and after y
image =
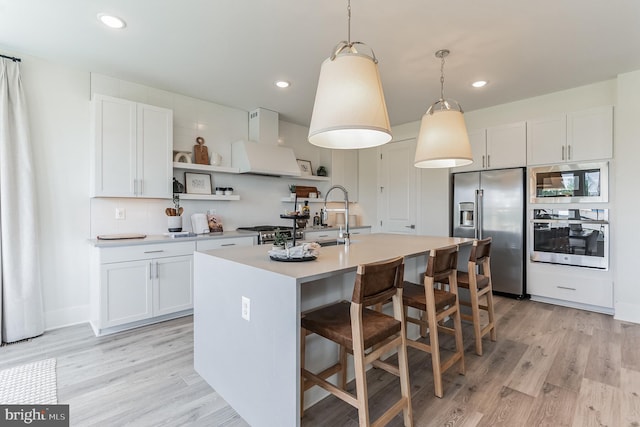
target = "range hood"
x: 262, y: 155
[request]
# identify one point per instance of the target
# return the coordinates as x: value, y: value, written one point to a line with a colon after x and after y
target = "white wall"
x: 627, y: 206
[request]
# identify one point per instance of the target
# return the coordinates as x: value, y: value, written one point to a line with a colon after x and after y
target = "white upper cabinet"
x: 573, y: 137
x: 497, y: 147
x: 344, y: 171
x: 132, y: 149
x: 590, y: 134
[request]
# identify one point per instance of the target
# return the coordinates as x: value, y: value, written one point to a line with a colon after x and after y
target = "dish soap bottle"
x: 316, y: 220
x: 305, y: 209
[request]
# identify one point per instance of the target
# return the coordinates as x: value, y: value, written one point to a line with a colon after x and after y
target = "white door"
x: 397, y: 192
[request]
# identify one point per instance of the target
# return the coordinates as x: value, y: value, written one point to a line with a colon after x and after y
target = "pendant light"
x: 443, y: 141
x: 349, y: 110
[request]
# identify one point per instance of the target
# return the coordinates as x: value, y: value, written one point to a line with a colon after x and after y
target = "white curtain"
x: 21, y: 296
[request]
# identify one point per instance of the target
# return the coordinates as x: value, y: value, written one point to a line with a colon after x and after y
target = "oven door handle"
x: 569, y: 221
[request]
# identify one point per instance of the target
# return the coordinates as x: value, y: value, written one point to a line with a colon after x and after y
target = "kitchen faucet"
x: 346, y: 233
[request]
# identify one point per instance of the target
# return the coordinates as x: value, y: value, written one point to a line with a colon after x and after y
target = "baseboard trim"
x: 587, y: 307
x: 68, y: 316
x: 627, y: 312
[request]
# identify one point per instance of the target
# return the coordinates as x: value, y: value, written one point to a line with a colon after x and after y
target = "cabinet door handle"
x: 567, y: 288
x: 568, y: 152
x: 563, y: 152
x: 323, y: 235
x: 488, y: 160
x: 483, y: 160
x: 154, y: 252
x: 150, y: 271
x: 412, y: 226
x: 228, y: 244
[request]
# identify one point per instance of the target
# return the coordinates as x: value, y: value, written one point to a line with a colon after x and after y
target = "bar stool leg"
x: 359, y: 366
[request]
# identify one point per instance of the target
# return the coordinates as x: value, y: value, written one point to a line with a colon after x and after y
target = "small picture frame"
x: 305, y: 167
x: 197, y: 183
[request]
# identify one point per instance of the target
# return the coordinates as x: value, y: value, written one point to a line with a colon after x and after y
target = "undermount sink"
x: 332, y: 242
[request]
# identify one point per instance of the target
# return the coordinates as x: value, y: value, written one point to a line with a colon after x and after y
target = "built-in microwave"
x: 570, y: 183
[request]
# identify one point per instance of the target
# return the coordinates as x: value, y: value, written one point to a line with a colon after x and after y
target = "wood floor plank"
x: 510, y: 409
x: 554, y: 407
x: 567, y: 369
x: 529, y: 376
x: 630, y: 401
x: 630, y: 344
x: 605, y: 358
x: 598, y: 405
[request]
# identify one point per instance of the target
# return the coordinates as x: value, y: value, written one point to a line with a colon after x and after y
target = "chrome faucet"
x: 346, y: 233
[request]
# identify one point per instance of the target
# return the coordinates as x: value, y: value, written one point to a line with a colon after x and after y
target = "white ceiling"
x: 231, y: 51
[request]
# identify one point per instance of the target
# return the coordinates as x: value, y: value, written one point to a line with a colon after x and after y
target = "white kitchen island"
x: 254, y: 364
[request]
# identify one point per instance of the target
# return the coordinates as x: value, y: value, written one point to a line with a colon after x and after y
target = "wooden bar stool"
x: 357, y: 328
x: 435, y: 305
x: 479, y: 286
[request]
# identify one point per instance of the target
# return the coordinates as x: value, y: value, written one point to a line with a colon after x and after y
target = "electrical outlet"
x: 246, y: 309
x: 120, y: 213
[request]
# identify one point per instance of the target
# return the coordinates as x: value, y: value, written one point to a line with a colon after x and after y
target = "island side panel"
x: 252, y: 364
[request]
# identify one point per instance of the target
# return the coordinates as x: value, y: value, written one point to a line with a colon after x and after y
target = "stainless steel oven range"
x: 267, y: 233
x: 577, y: 237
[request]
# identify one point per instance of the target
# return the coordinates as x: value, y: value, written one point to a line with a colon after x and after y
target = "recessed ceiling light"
x: 112, y: 21
x: 479, y: 83
x: 283, y: 84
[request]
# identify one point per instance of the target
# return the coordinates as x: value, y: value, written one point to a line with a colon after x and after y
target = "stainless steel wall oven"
x: 577, y: 237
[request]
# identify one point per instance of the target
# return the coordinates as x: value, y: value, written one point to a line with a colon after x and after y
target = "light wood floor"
x: 551, y: 366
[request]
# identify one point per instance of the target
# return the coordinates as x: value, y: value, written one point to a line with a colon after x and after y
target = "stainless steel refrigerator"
x: 492, y: 204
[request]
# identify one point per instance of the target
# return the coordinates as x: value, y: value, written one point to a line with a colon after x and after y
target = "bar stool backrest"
x: 440, y: 267
x: 377, y: 282
x: 480, y: 251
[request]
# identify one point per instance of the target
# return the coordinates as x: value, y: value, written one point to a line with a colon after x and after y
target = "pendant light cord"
x: 349, y: 23
x: 442, y: 78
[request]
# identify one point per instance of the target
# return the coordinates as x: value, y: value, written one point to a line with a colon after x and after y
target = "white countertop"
x: 365, y: 248
x: 159, y: 238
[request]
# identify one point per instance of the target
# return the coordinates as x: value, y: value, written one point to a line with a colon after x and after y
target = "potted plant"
x: 292, y: 191
x: 279, y: 240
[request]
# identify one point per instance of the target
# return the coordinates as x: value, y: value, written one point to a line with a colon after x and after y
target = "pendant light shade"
x: 443, y: 141
x: 349, y: 110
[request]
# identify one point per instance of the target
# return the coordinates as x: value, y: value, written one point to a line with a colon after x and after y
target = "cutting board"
x: 302, y: 191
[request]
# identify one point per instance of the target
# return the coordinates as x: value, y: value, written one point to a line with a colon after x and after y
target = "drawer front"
x: 583, y: 290
x: 321, y: 235
x: 140, y: 252
x: 233, y: 242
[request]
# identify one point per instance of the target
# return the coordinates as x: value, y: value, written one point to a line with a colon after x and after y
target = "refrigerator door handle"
x: 478, y: 214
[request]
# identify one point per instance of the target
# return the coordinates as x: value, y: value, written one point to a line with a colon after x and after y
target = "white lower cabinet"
x: 314, y: 236
x: 142, y: 284
x: 332, y: 233
x: 580, y: 287
x: 229, y: 242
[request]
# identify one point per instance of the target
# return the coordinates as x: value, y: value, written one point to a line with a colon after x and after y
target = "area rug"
x: 30, y: 384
